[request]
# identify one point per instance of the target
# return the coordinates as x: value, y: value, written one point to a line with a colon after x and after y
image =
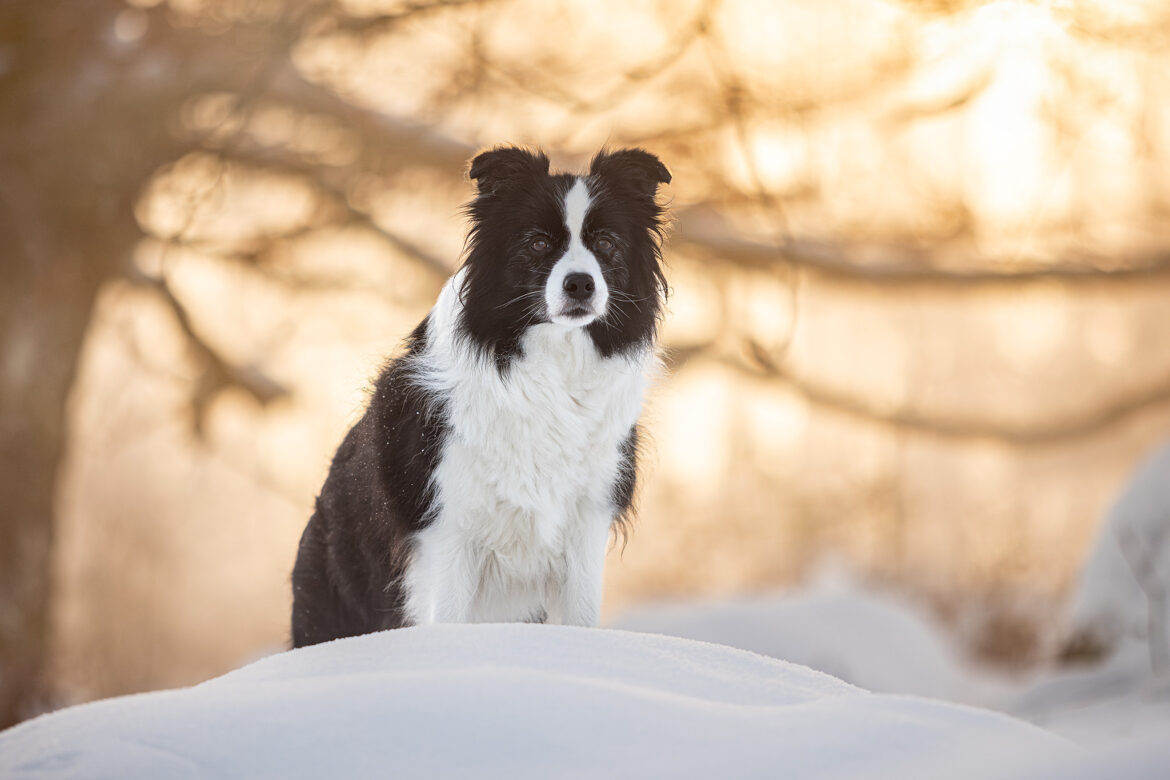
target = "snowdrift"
x: 1124, y: 590
x: 835, y: 625
x: 525, y: 701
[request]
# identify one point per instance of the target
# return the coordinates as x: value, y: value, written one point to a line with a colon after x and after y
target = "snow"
x: 1124, y: 590
x: 867, y: 637
x: 525, y: 701
x: 1116, y: 700
x: 882, y: 642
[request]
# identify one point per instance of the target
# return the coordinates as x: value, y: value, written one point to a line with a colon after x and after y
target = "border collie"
x: 497, y: 452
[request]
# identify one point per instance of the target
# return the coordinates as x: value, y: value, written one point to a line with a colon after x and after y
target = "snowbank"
x: 524, y: 701
x: 835, y: 625
x: 1124, y: 590
x: 882, y: 642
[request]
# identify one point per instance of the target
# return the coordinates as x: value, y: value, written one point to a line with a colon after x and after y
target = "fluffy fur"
x: 498, y: 451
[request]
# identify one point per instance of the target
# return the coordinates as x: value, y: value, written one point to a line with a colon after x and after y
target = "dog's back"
x: 349, y: 565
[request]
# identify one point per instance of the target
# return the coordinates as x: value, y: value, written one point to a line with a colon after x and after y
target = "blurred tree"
x: 90, y: 98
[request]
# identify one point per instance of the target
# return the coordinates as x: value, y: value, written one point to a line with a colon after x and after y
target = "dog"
x: 499, y: 450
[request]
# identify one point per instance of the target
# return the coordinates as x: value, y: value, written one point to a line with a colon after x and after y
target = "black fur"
x: 355, y: 548
x: 623, y: 488
x: 377, y: 493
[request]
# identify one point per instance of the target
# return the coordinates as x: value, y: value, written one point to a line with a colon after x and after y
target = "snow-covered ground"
x: 882, y: 642
x: 526, y: 701
x: 1124, y: 591
x: 676, y: 694
x: 548, y: 701
x: 872, y: 639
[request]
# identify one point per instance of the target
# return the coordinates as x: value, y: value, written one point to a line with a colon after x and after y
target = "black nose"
x: 579, y: 287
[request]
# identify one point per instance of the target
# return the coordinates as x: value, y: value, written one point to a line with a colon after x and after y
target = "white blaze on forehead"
x: 576, y: 206
x: 577, y: 259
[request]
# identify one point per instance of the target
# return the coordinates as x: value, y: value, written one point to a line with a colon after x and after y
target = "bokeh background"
x: 920, y: 266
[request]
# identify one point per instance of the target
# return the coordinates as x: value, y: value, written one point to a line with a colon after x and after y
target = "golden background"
x: 920, y: 268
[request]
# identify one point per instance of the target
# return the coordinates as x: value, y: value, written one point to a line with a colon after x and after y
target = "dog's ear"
x: 497, y: 168
x: 636, y: 169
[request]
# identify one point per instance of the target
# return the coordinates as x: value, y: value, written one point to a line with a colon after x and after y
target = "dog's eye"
x: 538, y: 244
x: 604, y: 244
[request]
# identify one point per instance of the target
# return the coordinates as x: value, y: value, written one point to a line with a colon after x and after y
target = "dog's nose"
x: 579, y: 286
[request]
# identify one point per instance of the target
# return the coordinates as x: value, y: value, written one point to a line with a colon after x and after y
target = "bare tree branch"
x: 376, y: 24
x: 912, y: 110
x: 757, y: 361
x: 552, y: 90
x: 702, y: 231
x: 388, y: 142
x: 217, y: 373
x: 330, y: 183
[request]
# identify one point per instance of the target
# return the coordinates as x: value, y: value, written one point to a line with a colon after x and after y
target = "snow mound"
x: 872, y: 639
x: 522, y: 701
x: 1124, y: 590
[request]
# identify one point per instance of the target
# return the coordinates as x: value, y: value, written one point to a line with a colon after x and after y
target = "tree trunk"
x: 42, y: 326
x: 90, y: 108
x: 69, y: 177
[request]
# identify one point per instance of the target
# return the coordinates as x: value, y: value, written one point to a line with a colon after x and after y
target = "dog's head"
x: 575, y: 251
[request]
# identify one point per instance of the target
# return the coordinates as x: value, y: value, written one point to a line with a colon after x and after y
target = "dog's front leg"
x: 576, y: 596
x: 442, y: 578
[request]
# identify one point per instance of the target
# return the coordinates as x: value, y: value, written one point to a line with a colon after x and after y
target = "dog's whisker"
x: 521, y: 297
x: 626, y: 298
x: 531, y: 312
x: 616, y: 316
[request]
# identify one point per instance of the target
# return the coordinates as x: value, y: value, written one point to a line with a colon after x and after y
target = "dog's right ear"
x: 498, y: 168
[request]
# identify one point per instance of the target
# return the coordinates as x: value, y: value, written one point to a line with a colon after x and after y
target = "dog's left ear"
x: 635, y: 168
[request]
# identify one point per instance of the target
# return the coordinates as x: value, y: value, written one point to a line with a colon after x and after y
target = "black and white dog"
x: 496, y: 453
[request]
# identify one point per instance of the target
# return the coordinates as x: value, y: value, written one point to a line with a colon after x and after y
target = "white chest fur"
x: 524, y: 484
